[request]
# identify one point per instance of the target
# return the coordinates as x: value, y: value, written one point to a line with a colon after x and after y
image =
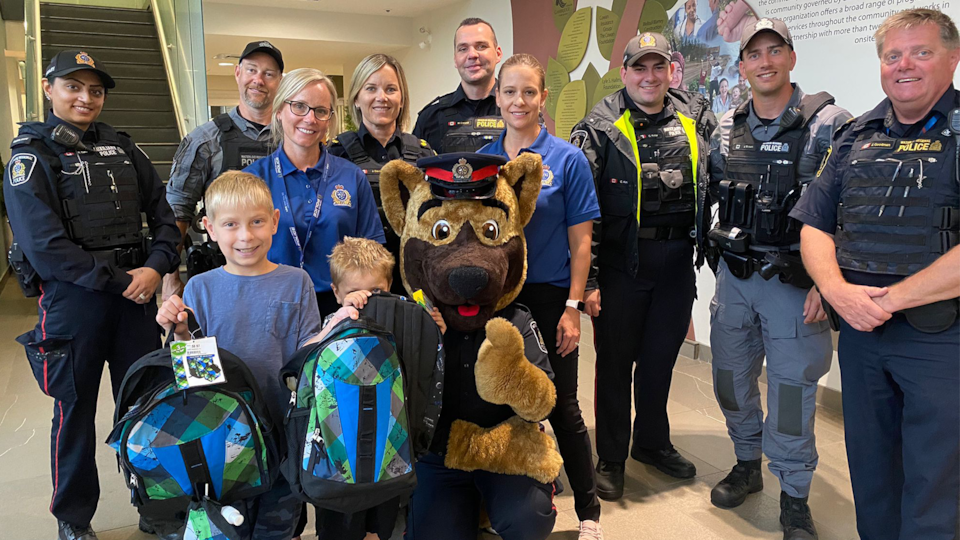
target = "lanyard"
x: 288, y: 208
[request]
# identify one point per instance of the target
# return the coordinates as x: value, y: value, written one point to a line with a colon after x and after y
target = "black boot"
x: 668, y: 461
x: 73, y: 532
x: 744, y: 479
x: 796, y: 519
x: 609, y: 480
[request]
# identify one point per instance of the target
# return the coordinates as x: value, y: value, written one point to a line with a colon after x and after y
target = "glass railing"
x: 34, y: 61
x: 180, y: 27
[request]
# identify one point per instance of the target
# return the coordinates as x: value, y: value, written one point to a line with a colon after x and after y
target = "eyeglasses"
x: 300, y: 108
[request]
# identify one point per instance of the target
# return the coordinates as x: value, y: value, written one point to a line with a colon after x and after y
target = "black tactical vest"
x: 760, y: 184
x: 238, y: 149
x: 900, y: 203
x: 100, y: 194
x: 472, y: 134
x: 666, y: 172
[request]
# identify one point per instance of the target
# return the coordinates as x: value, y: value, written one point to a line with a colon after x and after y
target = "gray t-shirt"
x: 261, y: 319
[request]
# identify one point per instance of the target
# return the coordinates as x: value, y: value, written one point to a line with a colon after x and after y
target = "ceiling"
x: 399, y: 8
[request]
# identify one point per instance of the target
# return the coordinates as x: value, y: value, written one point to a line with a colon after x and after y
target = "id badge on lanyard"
x: 288, y: 209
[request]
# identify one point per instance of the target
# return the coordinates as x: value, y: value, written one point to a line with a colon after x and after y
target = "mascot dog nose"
x: 468, y: 281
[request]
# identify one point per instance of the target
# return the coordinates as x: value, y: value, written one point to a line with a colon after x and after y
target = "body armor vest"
x: 100, y: 194
x: 900, y: 203
x: 666, y: 171
x: 239, y: 151
x: 472, y: 134
x: 760, y: 184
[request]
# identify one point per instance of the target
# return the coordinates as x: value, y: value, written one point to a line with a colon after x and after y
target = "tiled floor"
x: 654, y: 506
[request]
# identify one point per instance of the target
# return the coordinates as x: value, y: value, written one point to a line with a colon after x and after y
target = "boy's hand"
x: 356, y: 299
x: 437, y: 318
x: 346, y: 312
x: 173, y: 315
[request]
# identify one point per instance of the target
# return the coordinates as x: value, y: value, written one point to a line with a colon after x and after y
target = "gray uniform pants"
x: 750, y: 319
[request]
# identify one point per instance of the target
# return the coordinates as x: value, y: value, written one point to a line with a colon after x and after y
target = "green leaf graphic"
x: 573, y: 41
x: 571, y: 108
x: 591, y: 78
x: 562, y: 10
x: 608, y: 84
x: 667, y: 4
x: 653, y: 18
x: 618, y: 7
x: 607, y: 24
x: 557, y: 78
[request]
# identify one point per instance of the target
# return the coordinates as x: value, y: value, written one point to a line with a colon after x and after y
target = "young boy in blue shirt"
x: 259, y: 310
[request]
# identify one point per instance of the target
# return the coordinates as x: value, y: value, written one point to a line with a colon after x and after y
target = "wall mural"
x: 704, y: 33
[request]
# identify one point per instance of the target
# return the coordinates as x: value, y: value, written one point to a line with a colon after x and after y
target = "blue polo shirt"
x: 567, y: 198
x: 309, y: 228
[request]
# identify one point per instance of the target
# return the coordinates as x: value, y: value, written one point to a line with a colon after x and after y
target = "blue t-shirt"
x: 261, y: 319
x: 317, y: 209
x: 567, y: 198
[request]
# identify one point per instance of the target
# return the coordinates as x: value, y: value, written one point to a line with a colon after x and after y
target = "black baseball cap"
x: 66, y: 62
x: 776, y: 26
x: 263, y: 47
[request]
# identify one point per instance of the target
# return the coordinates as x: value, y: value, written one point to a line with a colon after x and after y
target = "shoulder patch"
x: 536, y: 332
x: 21, y: 167
x: 578, y: 137
x: 334, y: 141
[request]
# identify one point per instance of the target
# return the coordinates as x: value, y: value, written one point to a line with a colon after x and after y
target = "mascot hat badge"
x: 461, y: 242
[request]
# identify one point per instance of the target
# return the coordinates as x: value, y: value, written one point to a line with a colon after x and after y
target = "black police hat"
x: 66, y: 62
x: 462, y: 175
x: 263, y: 47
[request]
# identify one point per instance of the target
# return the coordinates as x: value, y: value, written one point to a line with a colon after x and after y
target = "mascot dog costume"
x: 462, y: 243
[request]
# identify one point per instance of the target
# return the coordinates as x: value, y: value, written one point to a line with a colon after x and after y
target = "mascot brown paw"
x: 512, y: 447
x: 505, y: 376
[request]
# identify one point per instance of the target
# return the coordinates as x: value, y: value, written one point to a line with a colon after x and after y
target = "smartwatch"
x: 575, y: 304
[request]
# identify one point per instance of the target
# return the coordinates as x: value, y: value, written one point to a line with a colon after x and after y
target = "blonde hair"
x: 235, y: 189
x: 292, y: 84
x: 526, y: 60
x: 359, y: 255
x: 365, y: 69
x: 911, y: 18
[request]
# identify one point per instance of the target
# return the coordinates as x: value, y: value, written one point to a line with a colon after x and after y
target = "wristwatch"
x: 575, y: 304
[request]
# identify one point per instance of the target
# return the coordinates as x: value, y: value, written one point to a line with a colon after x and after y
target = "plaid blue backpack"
x: 180, y: 448
x: 366, y: 400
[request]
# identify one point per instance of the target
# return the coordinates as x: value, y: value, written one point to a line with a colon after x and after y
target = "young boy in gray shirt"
x: 260, y: 311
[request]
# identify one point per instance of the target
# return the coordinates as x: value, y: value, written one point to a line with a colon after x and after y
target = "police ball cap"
x: 66, y: 62
x: 263, y: 47
x: 765, y: 25
x: 646, y: 43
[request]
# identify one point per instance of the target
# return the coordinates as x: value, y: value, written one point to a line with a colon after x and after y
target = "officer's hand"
x: 592, y: 302
x: 144, y: 285
x: 172, y: 285
x: 855, y: 303
x: 813, y: 308
x: 172, y: 314
x: 568, y: 331
x: 356, y: 299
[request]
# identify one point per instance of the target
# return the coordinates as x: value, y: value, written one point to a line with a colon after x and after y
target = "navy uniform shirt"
x: 318, y: 207
x: 443, y: 113
x: 818, y: 205
x: 460, y: 398
x: 567, y: 198
x: 34, y: 208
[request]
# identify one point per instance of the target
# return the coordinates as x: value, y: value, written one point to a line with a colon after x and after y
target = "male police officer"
x: 231, y: 141
x: 75, y: 189
x: 467, y: 118
x: 648, y: 147
x: 880, y: 239
x: 765, y: 304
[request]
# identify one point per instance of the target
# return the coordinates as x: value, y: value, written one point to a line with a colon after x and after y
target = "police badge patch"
x: 84, y: 58
x: 547, y: 179
x: 341, y: 197
x: 578, y: 137
x: 21, y: 167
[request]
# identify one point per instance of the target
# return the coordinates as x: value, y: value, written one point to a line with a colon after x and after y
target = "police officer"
x: 648, y: 147
x: 75, y: 189
x: 880, y: 239
x: 467, y: 118
x: 765, y: 304
x: 230, y: 141
x: 378, y: 92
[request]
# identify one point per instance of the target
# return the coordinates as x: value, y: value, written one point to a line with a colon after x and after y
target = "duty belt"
x: 787, y: 265
x: 123, y: 257
x: 665, y: 233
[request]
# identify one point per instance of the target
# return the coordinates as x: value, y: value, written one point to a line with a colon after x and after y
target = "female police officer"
x: 321, y: 197
x: 378, y: 92
x: 75, y: 189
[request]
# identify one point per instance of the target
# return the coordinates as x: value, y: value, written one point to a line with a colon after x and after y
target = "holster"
x: 933, y: 318
x: 832, y: 317
x: 27, y: 276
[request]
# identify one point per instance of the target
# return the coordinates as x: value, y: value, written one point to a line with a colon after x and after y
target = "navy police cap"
x: 66, y: 62
x: 462, y: 175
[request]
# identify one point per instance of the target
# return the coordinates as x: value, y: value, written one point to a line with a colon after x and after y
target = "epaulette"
x: 423, y: 143
x: 23, y: 140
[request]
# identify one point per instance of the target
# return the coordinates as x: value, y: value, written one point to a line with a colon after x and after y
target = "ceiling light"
x: 225, y: 64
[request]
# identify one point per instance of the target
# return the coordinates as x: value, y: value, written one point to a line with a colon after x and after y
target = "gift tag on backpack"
x: 196, y: 363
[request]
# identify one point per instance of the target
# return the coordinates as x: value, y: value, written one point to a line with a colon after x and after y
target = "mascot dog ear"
x: 524, y: 174
x: 398, y: 180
